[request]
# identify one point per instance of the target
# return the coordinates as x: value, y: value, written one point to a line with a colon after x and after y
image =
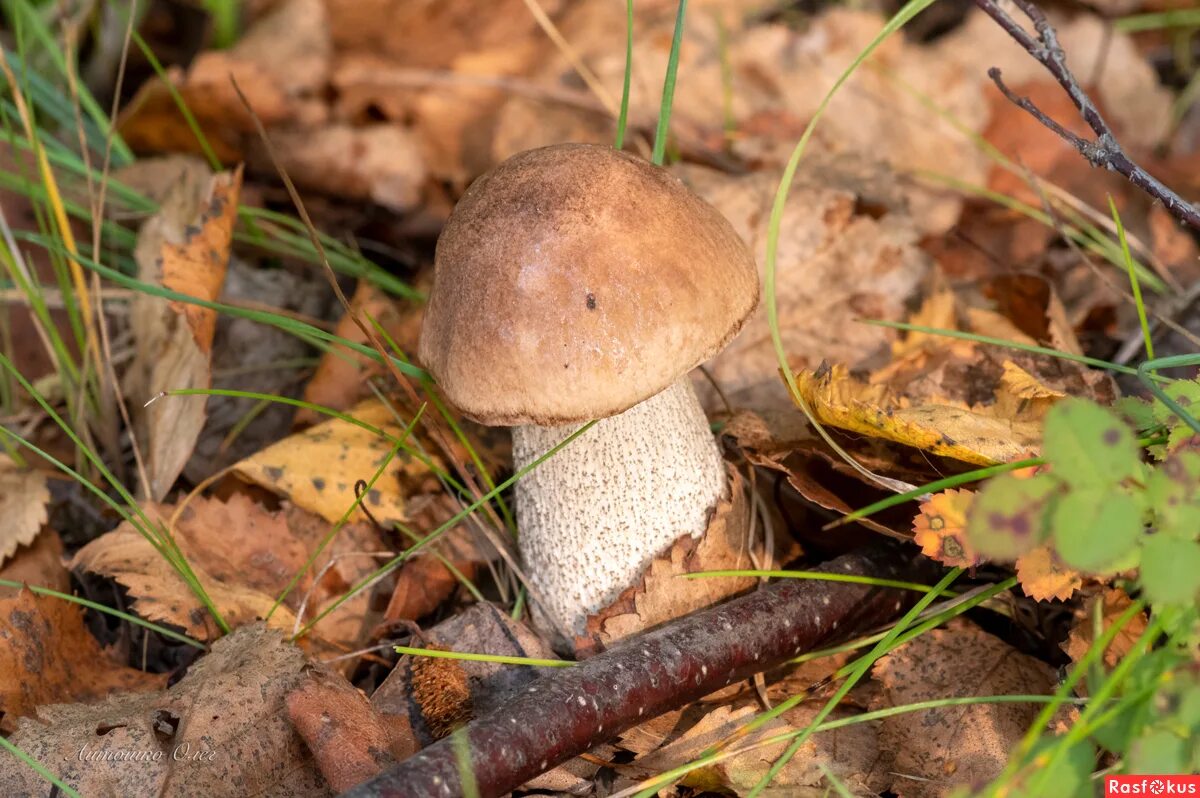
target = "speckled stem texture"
x: 565, y: 714
x: 594, y: 515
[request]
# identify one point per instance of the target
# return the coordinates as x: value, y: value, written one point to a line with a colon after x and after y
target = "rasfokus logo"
x: 1151, y: 785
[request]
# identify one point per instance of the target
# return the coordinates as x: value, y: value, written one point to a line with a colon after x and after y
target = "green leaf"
x: 1186, y: 394
x: 1069, y: 777
x: 1170, y: 570
x: 1097, y: 530
x: 1173, y: 491
x: 1158, y: 751
x: 1008, y: 517
x: 1088, y: 445
x: 1137, y: 412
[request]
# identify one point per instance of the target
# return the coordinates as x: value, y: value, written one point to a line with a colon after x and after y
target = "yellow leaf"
x: 1022, y: 384
x: 939, y: 529
x: 843, y: 401
x: 1043, y: 576
x: 317, y: 468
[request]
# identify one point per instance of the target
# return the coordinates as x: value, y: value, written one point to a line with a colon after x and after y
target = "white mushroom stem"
x: 595, y: 514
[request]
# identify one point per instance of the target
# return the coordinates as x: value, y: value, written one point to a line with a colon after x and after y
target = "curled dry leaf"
x: 786, y: 444
x: 840, y: 400
x: 660, y: 594
x: 975, y: 403
x: 23, y: 500
x: 939, y: 749
x: 246, y: 357
x: 183, y: 248
x: 48, y: 656
x: 940, y: 528
x: 424, y: 580
x: 349, y: 741
x: 316, y: 469
x: 244, y: 556
x: 1106, y: 606
x: 221, y: 731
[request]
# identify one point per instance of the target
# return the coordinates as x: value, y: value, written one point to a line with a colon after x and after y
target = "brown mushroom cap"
x: 575, y: 281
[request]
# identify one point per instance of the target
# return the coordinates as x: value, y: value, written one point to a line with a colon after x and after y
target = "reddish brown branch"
x: 1104, y: 152
x: 565, y: 714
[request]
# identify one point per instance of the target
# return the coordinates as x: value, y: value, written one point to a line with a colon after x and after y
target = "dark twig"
x: 564, y: 714
x: 1104, y: 151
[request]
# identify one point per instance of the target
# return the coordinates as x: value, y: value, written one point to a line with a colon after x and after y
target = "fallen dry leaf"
x: 939, y: 529
x: 425, y: 581
x: 957, y: 398
x: 1127, y: 88
x: 39, y: 563
x: 835, y: 265
x: 349, y: 741
x: 938, y: 749
x: 221, y: 731
x: 1044, y: 577
x: 340, y: 379
x: 377, y: 163
x: 244, y: 556
x: 184, y: 248
x: 850, y: 753
x: 785, y: 444
x: 48, y: 655
x: 751, y: 86
x: 246, y: 357
x: 660, y: 595
x: 317, y: 468
x: 280, y: 63
x: 1109, y: 605
x: 843, y: 401
x: 23, y: 500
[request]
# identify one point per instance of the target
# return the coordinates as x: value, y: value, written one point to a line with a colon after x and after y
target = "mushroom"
x: 577, y: 282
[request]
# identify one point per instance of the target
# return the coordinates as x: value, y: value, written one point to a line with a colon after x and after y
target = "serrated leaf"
x: 1043, y: 575
x: 1137, y: 412
x: 1089, y: 446
x: 1097, y: 530
x: 1007, y: 517
x: 1186, y: 394
x: 1173, y: 490
x: 939, y: 529
x: 1170, y: 570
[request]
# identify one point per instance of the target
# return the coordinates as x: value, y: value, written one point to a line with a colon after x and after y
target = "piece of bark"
x: 567, y: 713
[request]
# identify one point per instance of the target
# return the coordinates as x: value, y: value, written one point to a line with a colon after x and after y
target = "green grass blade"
x: 39, y: 767
x: 623, y: 117
x: 1133, y: 279
x: 668, y: 96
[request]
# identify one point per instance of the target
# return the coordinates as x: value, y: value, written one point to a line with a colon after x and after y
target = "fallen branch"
x: 1104, y: 151
x: 565, y: 714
